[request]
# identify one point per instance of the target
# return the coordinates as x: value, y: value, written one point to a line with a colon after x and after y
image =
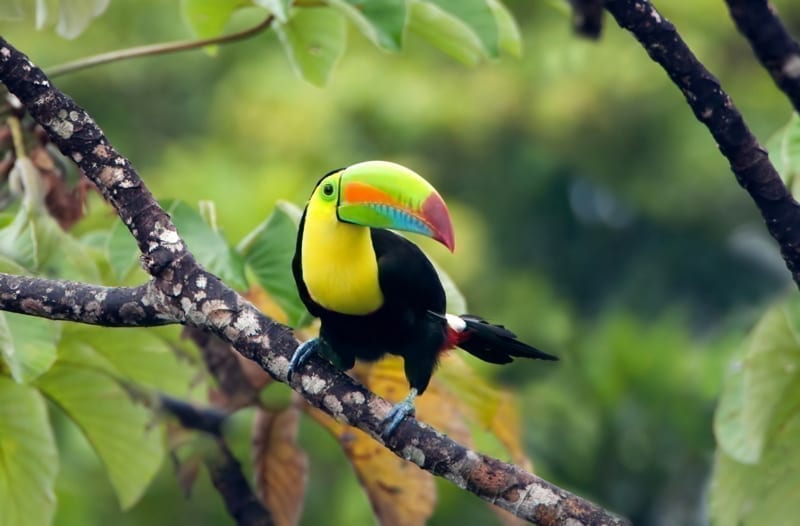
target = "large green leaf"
x: 509, y: 37
x: 119, y: 430
x: 74, y: 16
x: 314, y: 40
x: 143, y: 356
x: 207, y: 18
x: 28, y: 457
x: 762, y: 494
x: 757, y: 426
x: 445, y: 31
x: 268, y: 251
x: 382, y: 21
x: 758, y: 384
x: 478, y: 16
x: 121, y: 251
x: 209, y: 246
x: 18, y: 240
x: 28, y: 344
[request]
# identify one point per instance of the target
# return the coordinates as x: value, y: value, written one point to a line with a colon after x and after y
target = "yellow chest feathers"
x: 339, y: 265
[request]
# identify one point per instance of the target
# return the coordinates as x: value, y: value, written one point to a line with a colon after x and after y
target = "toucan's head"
x: 381, y: 194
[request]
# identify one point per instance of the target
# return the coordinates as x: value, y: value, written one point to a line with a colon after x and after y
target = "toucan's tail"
x: 491, y: 343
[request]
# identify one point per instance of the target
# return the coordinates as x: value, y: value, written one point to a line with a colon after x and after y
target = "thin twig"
x: 156, y: 49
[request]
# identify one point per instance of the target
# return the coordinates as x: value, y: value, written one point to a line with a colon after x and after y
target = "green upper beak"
x: 381, y: 194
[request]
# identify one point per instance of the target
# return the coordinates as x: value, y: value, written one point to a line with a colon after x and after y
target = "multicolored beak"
x: 381, y: 194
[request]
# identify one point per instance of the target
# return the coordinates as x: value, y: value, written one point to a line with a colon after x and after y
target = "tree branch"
x: 223, y: 467
x: 193, y: 296
x: 587, y: 17
x: 714, y: 108
x: 227, y: 476
x: 82, y: 303
x: 778, y: 52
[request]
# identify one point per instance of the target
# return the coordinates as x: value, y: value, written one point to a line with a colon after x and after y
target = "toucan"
x: 374, y: 291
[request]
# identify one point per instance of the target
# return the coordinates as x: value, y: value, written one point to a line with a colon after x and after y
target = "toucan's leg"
x: 398, y: 413
x: 303, y: 353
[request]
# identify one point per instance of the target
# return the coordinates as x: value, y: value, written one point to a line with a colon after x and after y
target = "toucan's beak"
x: 387, y: 195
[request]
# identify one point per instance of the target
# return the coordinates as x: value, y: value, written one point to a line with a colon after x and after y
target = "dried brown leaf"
x: 281, y: 466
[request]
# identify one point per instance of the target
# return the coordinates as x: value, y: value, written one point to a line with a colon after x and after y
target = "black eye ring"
x: 327, y: 189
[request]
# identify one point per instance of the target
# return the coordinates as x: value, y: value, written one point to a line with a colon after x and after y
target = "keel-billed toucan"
x: 374, y: 291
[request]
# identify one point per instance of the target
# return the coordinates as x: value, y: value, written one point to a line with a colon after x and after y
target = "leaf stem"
x: 157, y: 49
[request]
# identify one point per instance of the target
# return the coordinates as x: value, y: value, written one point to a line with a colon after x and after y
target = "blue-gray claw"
x: 301, y: 354
x: 398, y: 413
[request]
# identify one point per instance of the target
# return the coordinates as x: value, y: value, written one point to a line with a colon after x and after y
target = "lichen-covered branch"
x: 193, y: 296
x: 714, y: 108
x: 140, y: 306
x: 778, y: 52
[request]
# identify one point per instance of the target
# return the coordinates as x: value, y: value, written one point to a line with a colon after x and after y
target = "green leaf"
x: 28, y: 344
x: 314, y: 40
x: 34, y: 240
x: 445, y: 31
x: 28, y: 457
x: 509, y: 37
x: 75, y: 15
x: 10, y: 10
x: 784, y: 152
x: 758, y: 384
x: 209, y: 246
x: 478, y: 16
x: 381, y: 21
x: 207, y: 18
x: 18, y: 240
x: 279, y: 8
x: 268, y: 251
x: 118, y: 429
x: 765, y: 493
x: 143, y: 356
x: 121, y: 251
x: 9, y: 266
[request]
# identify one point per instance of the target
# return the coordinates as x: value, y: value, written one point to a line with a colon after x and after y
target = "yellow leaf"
x: 400, y: 492
x: 281, y: 466
x: 486, y: 406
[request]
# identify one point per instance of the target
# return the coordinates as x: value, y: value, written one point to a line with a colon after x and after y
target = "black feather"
x: 496, y: 344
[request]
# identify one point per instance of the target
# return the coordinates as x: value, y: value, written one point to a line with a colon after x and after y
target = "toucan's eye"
x: 328, y: 189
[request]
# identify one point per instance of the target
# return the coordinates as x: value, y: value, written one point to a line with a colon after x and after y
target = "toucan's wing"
x: 407, y: 278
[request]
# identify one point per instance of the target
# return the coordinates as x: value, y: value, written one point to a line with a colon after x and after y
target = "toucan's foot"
x: 301, y: 355
x: 398, y: 413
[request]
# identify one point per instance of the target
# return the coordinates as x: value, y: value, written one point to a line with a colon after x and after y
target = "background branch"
x: 714, y: 108
x: 196, y: 297
x: 223, y: 467
x: 778, y: 52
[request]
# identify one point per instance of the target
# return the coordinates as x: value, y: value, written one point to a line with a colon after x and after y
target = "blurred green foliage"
x: 595, y: 217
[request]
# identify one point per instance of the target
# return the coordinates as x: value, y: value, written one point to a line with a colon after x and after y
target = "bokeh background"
x: 594, y: 216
